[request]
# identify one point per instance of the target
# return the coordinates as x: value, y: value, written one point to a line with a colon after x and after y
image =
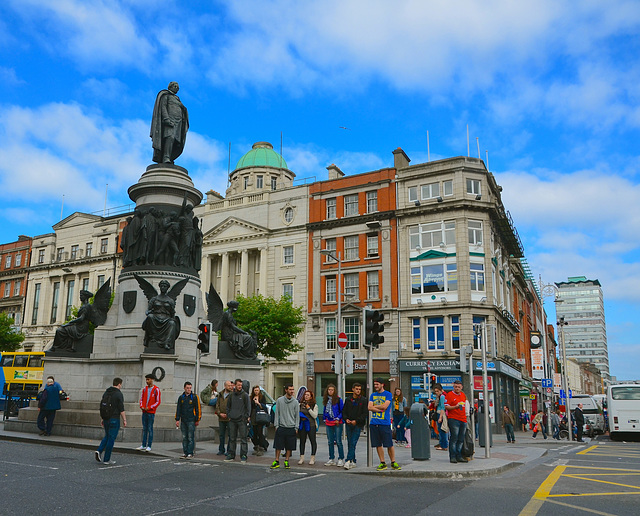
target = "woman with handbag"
x: 259, y: 419
x: 307, y: 428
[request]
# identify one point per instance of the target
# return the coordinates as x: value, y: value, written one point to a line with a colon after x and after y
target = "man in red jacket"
x: 149, y: 402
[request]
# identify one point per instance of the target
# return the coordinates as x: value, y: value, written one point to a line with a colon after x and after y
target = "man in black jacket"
x: 114, y: 404
x: 239, y: 412
x: 355, y: 414
x: 579, y: 419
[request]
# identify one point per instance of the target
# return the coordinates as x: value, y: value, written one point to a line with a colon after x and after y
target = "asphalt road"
x: 38, y: 478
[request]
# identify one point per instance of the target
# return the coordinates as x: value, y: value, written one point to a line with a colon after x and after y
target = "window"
x: 7, y: 262
x: 85, y: 284
x: 475, y: 232
x: 70, y: 288
x: 350, y: 205
x: 473, y: 186
x: 372, y: 245
x: 437, y: 277
x: 100, y: 280
x: 7, y: 288
x: 287, y: 255
x: 430, y: 191
x: 88, y: 249
x: 274, y: 183
x: 372, y: 201
x: 448, y: 188
x: 413, y: 193
x: 478, y: 323
x: 351, y: 285
x: 477, y: 276
x: 429, y: 236
x: 104, y: 245
x: 259, y: 182
x: 16, y: 287
x: 74, y: 252
x: 18, y: 259
x: 59, y: 254
x: 245, y: 183
x: 373, y: 285
x: 36, y: 303
x: 256, y: 264
x: 331, y: 208
x: 287, y: 290
x: 40, y: 255
x: 54, y: 302
x: 238, y: 263
x: 415, y: 325
x: 331, y: 289
x: 288, y: 214
x: 455, y: 332
x: 351, y: 247
x: 352, y: 329
x: 435, y: 333
x: 330, y: 333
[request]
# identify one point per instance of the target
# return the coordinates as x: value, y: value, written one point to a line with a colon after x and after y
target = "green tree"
x: 277, y: 322
x: 10, y: 339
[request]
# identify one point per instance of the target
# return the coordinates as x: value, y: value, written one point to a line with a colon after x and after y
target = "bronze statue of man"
x: 169, y: 125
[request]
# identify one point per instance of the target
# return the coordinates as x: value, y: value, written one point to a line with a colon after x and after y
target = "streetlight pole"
x: 561, y: 323
x: 341, y: 375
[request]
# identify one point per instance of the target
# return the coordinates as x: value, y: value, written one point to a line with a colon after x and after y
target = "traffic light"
x: 337, y: 362
x: 463, y: 352
x: 204, y: 337
x: 373, y: 329
x: 433, y: 380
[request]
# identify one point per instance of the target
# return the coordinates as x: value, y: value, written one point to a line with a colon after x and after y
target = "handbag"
x: 444, y: 426
x: 262, y: 417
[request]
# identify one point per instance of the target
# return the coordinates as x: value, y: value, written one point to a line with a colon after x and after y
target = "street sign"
x: 547, y: 383
x: 342, y: 339
x: 549, y: 390
x: 478, y: 384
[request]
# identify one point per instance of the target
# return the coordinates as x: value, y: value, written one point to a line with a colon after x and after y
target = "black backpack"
x: 106, y: 406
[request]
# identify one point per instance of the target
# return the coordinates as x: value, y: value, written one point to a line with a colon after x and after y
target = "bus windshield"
x: 625, y: 393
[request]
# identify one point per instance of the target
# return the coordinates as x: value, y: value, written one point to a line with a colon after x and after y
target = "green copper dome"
x: 261, y: 155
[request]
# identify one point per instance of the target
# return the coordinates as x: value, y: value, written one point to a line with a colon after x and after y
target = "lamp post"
x: 561, y: 323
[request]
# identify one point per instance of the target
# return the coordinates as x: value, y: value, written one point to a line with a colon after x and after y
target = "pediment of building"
x: 234, y: 228
x: 76, y: 219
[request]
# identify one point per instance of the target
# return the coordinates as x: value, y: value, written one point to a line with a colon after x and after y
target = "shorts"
x: 285, y: 439
x: 381, y: 436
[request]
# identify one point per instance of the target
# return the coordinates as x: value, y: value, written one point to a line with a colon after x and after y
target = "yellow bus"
x: 21, y: 372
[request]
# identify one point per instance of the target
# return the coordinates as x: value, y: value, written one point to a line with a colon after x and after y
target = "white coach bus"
x: 623, y: 406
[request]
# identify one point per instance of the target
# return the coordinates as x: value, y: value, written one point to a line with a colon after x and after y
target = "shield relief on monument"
x: 189, y: 304
x: 129, y: 300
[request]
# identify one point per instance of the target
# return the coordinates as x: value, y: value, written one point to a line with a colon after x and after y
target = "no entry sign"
x: 342, y: 339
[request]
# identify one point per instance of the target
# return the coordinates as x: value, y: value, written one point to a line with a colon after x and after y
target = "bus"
x: 623, y: 406
x: 21, y: 374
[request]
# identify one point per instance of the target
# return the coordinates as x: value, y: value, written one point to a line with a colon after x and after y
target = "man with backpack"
x: 111, y: 410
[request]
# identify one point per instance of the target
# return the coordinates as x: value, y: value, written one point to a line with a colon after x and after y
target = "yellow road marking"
x: 593, y: 494
x: 539, y: 497
x: 580, y: 475
x: 585, y: 509
x: 584, y: 452
x: 601, y: 481
x: 603, y: 454
x: 602, y: 469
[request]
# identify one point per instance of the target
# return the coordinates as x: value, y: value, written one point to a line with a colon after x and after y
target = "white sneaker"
x: 352, y: 465
x: 148, y: 448
x: 330, y: 462
x: 347, y: 464
x: 141, y: 448
x: 340, y: 463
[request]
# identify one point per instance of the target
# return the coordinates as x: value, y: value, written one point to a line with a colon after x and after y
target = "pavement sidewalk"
x: 503, y: 455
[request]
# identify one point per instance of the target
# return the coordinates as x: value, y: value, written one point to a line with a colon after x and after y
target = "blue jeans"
x: 334, y: 434
x: 443, y: 438
x: 147, y: 429
x: 458, y: 429
x: 111, y: 429
x: 223, y: 430
x: 212, y: 402
x: 508, y: 428
x: 188, y: 429
x: 353, y: 434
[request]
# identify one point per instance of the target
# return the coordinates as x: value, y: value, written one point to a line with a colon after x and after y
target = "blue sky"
x: 550, y: 89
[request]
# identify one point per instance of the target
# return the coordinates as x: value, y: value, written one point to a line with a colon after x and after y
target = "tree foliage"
x: 10, y: 339
x: 277, y: 322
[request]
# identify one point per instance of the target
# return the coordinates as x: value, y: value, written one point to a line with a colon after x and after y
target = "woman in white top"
x: 308, y: 417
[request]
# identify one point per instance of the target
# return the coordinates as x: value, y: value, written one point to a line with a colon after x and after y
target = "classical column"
x: 206, y: 272
x: 224, y: 278
x: 263, y: 271
x: 244, y: 272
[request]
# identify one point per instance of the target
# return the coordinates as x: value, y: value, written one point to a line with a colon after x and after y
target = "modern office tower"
x: 581, y: 303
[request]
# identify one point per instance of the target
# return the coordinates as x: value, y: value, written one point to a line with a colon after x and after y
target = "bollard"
x: 481, y: 432
x: 420, y: 432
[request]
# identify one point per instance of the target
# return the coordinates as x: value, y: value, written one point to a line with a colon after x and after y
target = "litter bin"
x: 420, y: 432
x: 481, y: 436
